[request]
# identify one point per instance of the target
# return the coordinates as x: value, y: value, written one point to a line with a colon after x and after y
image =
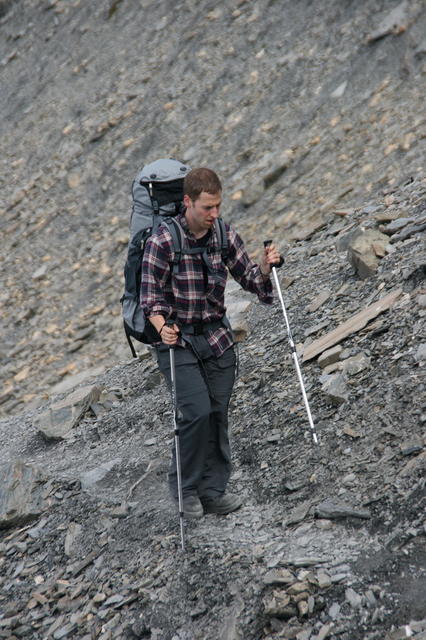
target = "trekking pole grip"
x: 169, y: 323
x: 277, y: 265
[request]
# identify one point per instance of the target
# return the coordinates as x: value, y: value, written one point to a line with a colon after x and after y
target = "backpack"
x: 157, y: 193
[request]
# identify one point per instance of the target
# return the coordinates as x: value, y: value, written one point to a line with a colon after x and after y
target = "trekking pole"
x: 293, y: 348
x: 177, y: 444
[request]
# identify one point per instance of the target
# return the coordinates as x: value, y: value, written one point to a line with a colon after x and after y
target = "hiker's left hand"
x: 271, y: 258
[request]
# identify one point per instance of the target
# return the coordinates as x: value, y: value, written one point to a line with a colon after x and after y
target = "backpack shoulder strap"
x: 220, y: 229
x: 178, y: 239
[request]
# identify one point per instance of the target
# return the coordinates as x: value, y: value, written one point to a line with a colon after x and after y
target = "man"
x: 187, y: 310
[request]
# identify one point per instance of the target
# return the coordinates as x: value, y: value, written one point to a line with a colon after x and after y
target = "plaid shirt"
x: 189, y: 297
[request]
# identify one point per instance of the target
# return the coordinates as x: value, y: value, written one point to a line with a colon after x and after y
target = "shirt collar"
x: 184, y: 224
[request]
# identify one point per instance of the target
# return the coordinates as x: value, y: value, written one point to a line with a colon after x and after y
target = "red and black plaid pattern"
x: 185, y: 297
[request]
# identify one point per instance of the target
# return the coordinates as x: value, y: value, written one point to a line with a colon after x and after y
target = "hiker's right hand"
x: 169, y: 334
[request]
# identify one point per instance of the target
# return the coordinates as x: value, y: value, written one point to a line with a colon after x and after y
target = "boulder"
x: 365, y: 248
x: 61, y: 417
x: 237, y: 312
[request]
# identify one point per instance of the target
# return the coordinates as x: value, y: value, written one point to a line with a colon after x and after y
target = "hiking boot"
x: 192, y: 507
x: 222, y: 505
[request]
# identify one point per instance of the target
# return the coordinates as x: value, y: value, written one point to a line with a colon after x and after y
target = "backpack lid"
x: 163, y: 170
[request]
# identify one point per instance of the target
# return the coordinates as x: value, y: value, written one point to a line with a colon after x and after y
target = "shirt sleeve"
x: 246, y: 272
x: 154, y: 275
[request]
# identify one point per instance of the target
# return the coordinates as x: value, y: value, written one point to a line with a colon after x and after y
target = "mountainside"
x: 302, y: 108
x: 313, y: 115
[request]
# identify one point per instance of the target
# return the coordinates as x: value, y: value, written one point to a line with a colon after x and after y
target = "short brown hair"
x: 202, y: 179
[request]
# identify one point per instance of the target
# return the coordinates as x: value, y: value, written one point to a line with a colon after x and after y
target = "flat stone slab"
x: 352, y: 325
x: 331, y: 509
x: 21, y: 489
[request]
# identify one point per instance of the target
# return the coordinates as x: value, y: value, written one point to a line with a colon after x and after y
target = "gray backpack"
x: 157, y: 198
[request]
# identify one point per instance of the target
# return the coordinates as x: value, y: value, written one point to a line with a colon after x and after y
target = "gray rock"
x: 115, y: 599
x: 396, y: 225
x: 298, y: 514
x: 408, y: 232
x: 236, y: 312
x: 278, y: 576
x: 325, y: 525
x: 73, y: 532
x: 231, y: 628
x: 353, y: 598
x: 394, y: 22
x: 335, y: 389
x: 306, y: 561
x: 330, y: 356
x: 338, y: 577
x: 420, y: 354
x: 363, y: 250
x: 334, y: 611
x: 332, y: 509
x: 355, y: 364
x: 408, y: 447
x: 279, y: 605
x: 371, y: 598
x: 40, y: 273
x: 305, y: 634
x: 57, y: 422
x: 65, y: 631
x: 21, y: 494
x: 90, y: 478
x: 324, y: 632
x: 153, y: 381
x: 349, y: 480
x: 340, y: 90
x: 318, y: 301
x: 302, y: 608
x: 324, y: 579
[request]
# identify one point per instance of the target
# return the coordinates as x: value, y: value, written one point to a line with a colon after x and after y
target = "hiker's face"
x: 202, y: 212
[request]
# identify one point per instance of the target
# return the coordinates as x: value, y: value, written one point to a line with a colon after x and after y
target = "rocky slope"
x: 313, y: 115
x: 303, y: 108
x: 330, y: 542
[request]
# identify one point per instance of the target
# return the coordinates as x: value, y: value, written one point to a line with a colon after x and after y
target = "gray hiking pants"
x: 203, y: 388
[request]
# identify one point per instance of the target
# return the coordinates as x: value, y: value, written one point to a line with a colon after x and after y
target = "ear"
x: 186, y: 200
